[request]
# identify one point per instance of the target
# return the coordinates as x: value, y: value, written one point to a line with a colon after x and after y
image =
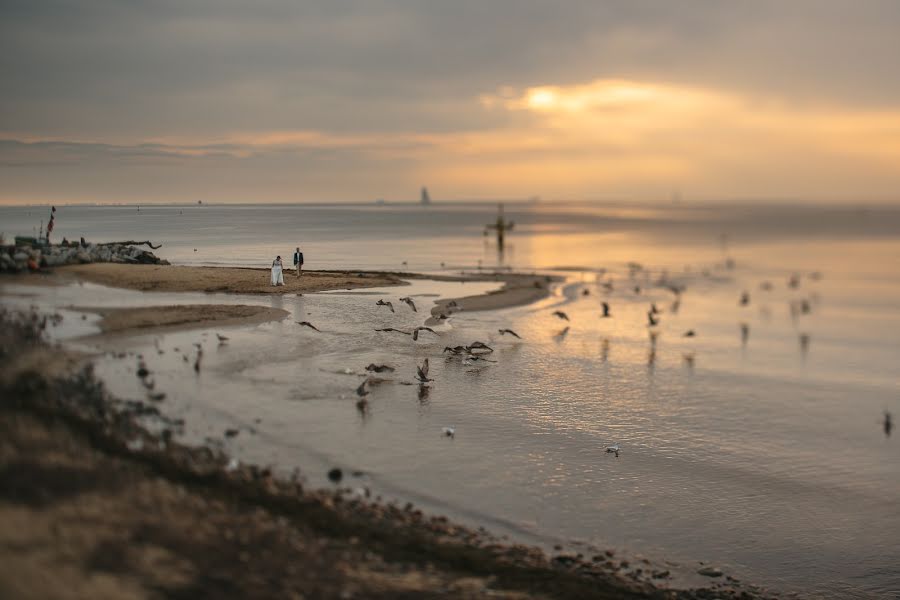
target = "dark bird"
x: 653, y: 309
x: 455, y: 349
x: 452, y: 304
x: 389, y: 304
x: 379, y: 368
x: 415, y: 332
x: 386, y: 329
x: 689, y: 333
x: 804, y: 343
x: 561, y: 315
x: 888, y: 423
x: 409, y: 301
x: 308, y: 324
x: 471, y: 348
x: 606, y: 310
x: 222, y: 338
x: 230, y: 433
x: 510, y: 332
x: 651, y: 320
x: 805, y: 307
x: 142, y: 371
x: 745, y: 299
x: 585, y: 292
x: 745, y: 333
x: 363, y: 390
x: 335, y: 475
x: 422, y: 372
x: 198, y: 359
x: 424, y: 392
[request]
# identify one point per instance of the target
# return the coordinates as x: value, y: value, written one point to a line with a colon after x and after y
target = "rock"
x: 710, y: 571
x: 20, y: 256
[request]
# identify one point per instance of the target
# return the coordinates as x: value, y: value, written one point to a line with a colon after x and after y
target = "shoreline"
x: 71, y: 449
x: 177, y: 317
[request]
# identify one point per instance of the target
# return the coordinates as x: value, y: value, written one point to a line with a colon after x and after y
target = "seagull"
x: 230, y: 433
x: 222, y: 338
x: 308, y: 324
x: 478, y: 346
x: 362, y: 391
x: 409, y: 301
x: 383, y: 303
x: 585, y: 292
x: 689, y: 333
x: 452, y: 304
x: 199, y: 357
x: 688, y: 359
x: 422, y: 372
x: 745, y: 333
x: 394, y: 330
x: 448, y: 431
x: 415, y: 332
x: 745, y: 299
x: 510, y: 332
x: 888, y: 423
x: 651, y: 320
x: 653, y: 309
x: 613, y: 449
x: 561, y: 315
x: 455, y: 349
x: 606, y: 310
x: 379, y: 368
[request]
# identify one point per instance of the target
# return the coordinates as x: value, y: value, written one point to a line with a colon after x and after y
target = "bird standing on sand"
x: 653, y: 308
x: 198, y: 359
x: 383, y: 303
x: 308, y: 324
x: 422, y: 372
x: 510, y: 332
x: 409, y: 301
x: 606, y: 310
x: 651, y: 320
x: 561, y: 315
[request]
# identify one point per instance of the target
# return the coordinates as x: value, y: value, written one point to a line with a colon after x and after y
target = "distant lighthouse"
x: 426, y: 199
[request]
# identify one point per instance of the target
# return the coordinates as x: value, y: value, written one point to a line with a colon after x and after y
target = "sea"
x: 751, y: 421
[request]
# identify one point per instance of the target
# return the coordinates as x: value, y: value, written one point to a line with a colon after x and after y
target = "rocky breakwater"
x: 19, y: 258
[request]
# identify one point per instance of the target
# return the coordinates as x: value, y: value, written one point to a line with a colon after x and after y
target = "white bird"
x: 449, y: 431
x: 613, y: 449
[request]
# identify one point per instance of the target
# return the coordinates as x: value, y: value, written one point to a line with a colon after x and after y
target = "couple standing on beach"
x: 278, y: 268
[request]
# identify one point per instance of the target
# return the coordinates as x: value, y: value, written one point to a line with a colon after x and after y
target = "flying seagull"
x: 363, y: 390
x: 415, y: 332
x: 478, y: 346
x: 510, y: 332
x: 651, y: 320
x: 307, y: 324
x: 561, y: 315
x: 379, y: 368
x: 422, y: 372
x: 455, y: 349
x: 394, y: 330
x: 383, y: 303
x: 409, y: 301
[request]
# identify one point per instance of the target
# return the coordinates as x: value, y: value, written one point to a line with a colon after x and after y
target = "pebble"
x: 710, y: 571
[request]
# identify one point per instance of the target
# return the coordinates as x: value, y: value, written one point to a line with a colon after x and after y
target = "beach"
x: 726, y: 463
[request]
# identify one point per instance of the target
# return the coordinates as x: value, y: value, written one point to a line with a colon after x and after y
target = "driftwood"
x: 130, y: 243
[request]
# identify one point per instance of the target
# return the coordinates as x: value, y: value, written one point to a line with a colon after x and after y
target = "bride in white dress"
x: 277, y: 272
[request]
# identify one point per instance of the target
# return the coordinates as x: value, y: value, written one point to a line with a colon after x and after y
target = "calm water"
x: 764, y: 458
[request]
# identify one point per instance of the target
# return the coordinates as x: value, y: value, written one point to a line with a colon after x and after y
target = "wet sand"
x: 93, y: 505
x: 173, y: 278
x: 123, y: 321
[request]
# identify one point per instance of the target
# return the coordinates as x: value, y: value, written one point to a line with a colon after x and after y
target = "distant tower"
x: 426, y: 199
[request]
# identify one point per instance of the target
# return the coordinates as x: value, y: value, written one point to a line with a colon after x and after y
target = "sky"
x: 343, y: 100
